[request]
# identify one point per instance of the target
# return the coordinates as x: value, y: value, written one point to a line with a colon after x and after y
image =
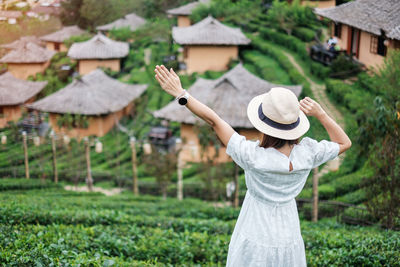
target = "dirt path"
x: 319, y: 92
x: 107, y: 192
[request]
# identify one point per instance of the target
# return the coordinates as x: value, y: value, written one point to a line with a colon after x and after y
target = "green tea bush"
x: 25, y: 184
x: 320, y: 70
x: 56, y: 227
x: 290, y: 42
x: 304, y: 34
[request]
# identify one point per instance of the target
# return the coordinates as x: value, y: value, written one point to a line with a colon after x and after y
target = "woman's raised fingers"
x: 161, y: 72
x: 173, y: 73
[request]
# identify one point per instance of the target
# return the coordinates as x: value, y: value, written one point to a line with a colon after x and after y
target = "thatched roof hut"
x: 228, y: 96
x: 132, y: 21
x: 186, y: 10
x: 14, y: 91
x: 367, y: 15
x: 93, y: 94
x: 62, y: 34
x: 21, y: 42
x: 99, y: 47
x: 29, y: 53
x: 209, y: 31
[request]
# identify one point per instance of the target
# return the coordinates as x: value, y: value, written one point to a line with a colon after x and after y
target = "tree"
x: 380, y: 133
x: 161, y: 165
x: 214, y: 175
x: 71, y: 15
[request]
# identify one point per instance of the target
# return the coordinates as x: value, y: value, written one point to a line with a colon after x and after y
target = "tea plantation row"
x: 54, y: 227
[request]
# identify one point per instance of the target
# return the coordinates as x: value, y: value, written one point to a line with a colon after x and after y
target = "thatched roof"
x: 30, y: 53
x: 228, y: 96
x: 93, y: 94
x: 99, y: 47
x: 21, y: 42
x: 209, y: 31
x: 187, y: 9
x: 14, y: 91
x: 132, y: 21
x: 368, y: 15
x: 10, y: 14
x: 63, y: 34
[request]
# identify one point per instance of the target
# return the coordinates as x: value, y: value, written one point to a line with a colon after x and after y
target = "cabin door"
x: 353, y: 46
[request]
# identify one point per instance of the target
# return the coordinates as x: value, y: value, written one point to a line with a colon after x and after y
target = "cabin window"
x: 57, y: 46
x: 337, y: 27
x: 377, y: 45
x: 185, y: 52
x: 1, y: 111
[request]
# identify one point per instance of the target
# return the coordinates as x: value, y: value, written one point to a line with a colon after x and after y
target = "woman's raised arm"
x: 170, y: 83
x: 336, y: 133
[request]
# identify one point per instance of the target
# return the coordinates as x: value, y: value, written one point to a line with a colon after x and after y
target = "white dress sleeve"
x: 241, y: 150
x: 322, y: 151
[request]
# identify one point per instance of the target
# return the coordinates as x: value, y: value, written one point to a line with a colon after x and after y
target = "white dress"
x: 267, y: 232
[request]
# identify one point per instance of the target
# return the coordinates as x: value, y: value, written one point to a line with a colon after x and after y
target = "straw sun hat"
x: 277, y: 113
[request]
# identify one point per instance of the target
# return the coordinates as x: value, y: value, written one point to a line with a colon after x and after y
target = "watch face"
x: 182, y: 101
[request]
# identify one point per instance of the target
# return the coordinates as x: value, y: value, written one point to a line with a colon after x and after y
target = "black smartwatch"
x: 183, y: 99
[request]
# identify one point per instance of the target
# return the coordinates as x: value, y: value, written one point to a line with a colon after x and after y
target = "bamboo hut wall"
x: 53, y: 46
x: 24, y: 70
x: 191, y: 151
x: 215, y: 58
x: 86, y: 66
x: 98, y: 125
x: 184, y: 21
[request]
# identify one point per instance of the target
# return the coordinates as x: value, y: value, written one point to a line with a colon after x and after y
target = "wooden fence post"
x: 89, y: 179
x: 179, y: 171
x: 315, y: 195
x: 135, y: 186
x: 236, y: 193
x: 24, y: 138
x: 53, y: 149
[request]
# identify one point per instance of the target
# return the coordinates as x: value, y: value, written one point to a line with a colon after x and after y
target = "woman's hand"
x: 169, y: 81
x: 311, y: 108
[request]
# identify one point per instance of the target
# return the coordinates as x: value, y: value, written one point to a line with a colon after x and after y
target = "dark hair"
x: 270, y: 141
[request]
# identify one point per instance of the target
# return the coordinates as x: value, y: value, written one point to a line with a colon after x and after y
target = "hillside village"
x: 80, y: 107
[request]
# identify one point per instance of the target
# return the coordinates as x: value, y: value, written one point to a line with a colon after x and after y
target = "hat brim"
x: 252, y: 114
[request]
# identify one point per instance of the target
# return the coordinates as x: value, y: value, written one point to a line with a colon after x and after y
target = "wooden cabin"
x: 209, y: 45
x: 100, y: 99
x: 366, y: 29
x: 183, y: 13
x: 228, y: 96
x: 132, y: 21
x: 99, y: 51
x: 27, y: 60
x: 55, y: 41
x: 14, y: 93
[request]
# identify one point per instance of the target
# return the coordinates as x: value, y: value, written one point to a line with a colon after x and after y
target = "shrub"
x: 304, y: 34
x: 25, y: 184
x: 290, y: 42
x: 320, y: 70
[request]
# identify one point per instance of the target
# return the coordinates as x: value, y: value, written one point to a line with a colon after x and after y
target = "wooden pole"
x: 315, y: 196
x: 179, y: 171
x: 135, y: 186
x: 236, y: 193
x: 180, y: 177
x: 89, y: 179
x: 53, y: 149
x: 24, y: 138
